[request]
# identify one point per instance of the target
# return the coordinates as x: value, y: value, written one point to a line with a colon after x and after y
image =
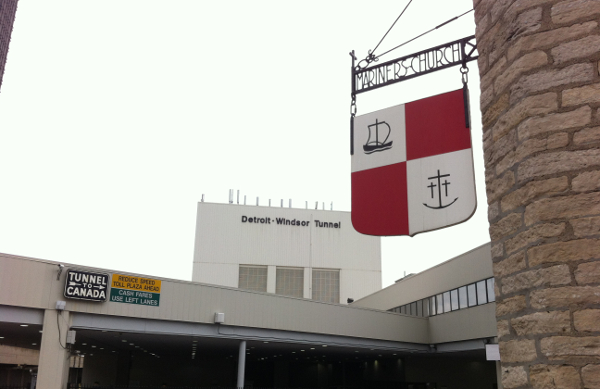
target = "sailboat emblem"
x: 373, y: 146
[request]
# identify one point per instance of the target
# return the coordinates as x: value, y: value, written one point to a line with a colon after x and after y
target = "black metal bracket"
x: 454, y: 53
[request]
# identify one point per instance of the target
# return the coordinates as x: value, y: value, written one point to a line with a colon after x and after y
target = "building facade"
x: 153, y: 331
x: 307, y: 253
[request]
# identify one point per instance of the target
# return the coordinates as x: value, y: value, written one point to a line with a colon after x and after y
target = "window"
x: 253, y: 278
x: 446, y: 301
x: 472, y: 295
x: 326, y: 285
x: 440, y: 304
x: 490, y: 290
x: 432, y: 306
x: 462, y: 297
x: 454, y: 299
x: 481, y: 293
x: 477, y: 293
x: 289, y: 281
x: 426, y: 312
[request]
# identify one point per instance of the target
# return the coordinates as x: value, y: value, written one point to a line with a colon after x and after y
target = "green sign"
x: 134, y: 297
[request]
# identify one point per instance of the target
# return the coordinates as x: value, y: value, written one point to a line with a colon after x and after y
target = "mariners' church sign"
x: 412, y: 164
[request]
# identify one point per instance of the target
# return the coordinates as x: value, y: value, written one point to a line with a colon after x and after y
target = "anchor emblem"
x: 376, y: 145
x: 432, y: 186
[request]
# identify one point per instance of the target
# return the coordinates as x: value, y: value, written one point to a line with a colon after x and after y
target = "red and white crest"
x: 412, y: 167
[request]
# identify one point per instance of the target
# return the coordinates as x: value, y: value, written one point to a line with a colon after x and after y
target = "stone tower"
x: 8, y: 9
x: 540, y: 99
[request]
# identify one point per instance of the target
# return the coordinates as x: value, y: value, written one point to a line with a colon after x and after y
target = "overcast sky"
x: 116, y: 116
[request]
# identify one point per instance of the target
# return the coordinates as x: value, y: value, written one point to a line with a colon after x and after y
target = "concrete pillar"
x: 540, y: 96
x: 241, y: 364
x: 499, y: 374
x: 53, y: 369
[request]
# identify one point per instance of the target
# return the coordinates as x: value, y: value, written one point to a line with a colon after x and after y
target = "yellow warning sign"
x: 135, y: 283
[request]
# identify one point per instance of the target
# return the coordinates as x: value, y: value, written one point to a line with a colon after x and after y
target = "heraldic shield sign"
x: 412, y: 167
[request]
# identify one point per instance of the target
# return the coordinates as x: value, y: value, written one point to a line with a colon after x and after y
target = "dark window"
x: 420, y: 308
x: 440, y: 304
x: 426, y: 312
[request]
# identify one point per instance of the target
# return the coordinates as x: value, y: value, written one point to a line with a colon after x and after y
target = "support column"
x: 241, y: 364
x: 540, y: 100
x: 53, y: 369
x: 499, y: 374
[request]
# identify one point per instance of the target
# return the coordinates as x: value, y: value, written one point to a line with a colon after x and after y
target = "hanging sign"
x: 412, y: 167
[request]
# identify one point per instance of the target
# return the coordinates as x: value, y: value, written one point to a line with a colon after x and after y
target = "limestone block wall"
x: 540, y: 99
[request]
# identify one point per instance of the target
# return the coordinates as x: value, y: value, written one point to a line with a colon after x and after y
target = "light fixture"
x: 24, y: 325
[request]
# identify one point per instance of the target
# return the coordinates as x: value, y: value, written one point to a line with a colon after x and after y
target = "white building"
x: 173, y: 335
x: 306, y: 253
